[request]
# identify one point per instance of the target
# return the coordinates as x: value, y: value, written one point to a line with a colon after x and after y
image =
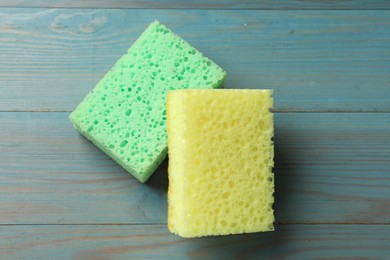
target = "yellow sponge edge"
x: 220, y: 162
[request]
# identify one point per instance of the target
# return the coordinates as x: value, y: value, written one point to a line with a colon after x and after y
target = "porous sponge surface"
x: 125, y: 116
x: 220, y: 162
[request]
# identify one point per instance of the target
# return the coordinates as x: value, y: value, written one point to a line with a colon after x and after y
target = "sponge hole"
x: 225, y: 195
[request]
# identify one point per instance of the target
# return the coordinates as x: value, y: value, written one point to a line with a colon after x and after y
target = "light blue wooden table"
x: 329, y: 66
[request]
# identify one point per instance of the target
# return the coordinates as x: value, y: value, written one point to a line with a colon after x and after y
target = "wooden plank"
x: 204, y: 4
x: 333, y: 167
x: 154, y: 241
x: 330, y: 168
x: 314, y: 60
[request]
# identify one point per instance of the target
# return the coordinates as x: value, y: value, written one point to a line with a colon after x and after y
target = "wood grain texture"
x: 154, y: 241
x: 314, y: 60
x: 204, y: 4
x: 60, y: 197
x: 330, y: 168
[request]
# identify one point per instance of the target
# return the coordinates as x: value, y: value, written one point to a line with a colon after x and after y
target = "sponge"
x: 220, y: 162
x: 125, y: 116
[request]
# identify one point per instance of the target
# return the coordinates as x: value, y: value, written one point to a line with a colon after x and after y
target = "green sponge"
x: 125, y: 116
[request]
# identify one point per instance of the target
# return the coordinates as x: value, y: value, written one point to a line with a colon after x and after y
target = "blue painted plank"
x: 204, y: 4
x: 154, y: 241
x: 330, y: 168
x: 314, y: 60
x: 332, y: 163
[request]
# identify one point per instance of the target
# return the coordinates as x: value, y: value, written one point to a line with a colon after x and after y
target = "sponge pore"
x: 125, y: 116
x: 220, y: 162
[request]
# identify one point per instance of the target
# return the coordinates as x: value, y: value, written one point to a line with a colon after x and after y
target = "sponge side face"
x: 125, y: 116
x: 220, y: 162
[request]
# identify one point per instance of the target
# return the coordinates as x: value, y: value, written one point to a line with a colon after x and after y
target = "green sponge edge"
x: 142, y: 178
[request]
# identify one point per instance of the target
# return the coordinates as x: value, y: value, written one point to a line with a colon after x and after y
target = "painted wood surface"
x: 205, y: 4
x: 153, y: 241
x: 330, y: 168
x: 314, y: 60
x: 60, y: 197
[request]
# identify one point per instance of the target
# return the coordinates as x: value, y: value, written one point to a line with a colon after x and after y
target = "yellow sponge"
x: 220, y: 162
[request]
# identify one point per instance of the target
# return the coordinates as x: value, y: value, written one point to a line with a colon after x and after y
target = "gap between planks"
x: 202, y: 5
x: 199, y: 9
x: 165, y: 224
